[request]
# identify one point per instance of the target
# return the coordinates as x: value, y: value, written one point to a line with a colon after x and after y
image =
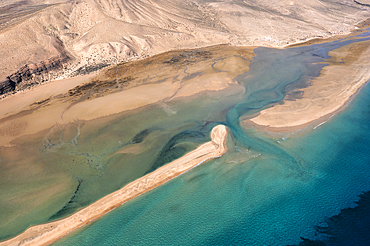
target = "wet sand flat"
x: 47, y: 133
x: 161, y: 80
x: 124, y: 87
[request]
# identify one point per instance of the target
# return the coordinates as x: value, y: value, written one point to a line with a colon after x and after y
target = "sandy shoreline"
x: 347, y: 72
x: 360, y: 27
x: 65, y: 104
x: 50, y: 232
x: 31, y: 114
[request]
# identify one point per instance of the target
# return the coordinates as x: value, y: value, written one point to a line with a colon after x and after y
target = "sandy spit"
x: 347, y: 72
x: 47, y: 233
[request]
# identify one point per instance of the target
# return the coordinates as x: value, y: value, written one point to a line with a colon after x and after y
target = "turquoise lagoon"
x: 266, y: 190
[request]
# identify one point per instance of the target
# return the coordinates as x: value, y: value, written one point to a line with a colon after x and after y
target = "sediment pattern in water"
x: 266, y: 190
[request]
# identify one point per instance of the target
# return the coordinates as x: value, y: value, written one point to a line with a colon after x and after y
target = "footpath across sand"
x: 47, y: 233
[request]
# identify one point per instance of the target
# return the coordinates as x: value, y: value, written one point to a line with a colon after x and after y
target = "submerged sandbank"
x: 50, y: 232
x: 348, y: 70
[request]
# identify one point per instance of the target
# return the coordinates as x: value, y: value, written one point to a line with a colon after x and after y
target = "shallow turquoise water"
x: 264, y: 191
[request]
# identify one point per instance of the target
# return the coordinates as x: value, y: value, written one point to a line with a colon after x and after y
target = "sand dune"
x: 50, y: 232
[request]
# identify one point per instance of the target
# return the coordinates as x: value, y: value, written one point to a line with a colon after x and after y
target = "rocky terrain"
x: 50, y: 39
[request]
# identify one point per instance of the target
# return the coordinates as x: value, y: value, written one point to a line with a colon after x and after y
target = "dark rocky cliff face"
x: 7, y: 86
x: 33, y: 74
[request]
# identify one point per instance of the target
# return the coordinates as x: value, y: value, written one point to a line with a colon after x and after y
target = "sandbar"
x: 47, y: 233
x: 347, y: 72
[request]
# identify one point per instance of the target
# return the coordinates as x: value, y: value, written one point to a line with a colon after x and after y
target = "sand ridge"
x: 50, y: 232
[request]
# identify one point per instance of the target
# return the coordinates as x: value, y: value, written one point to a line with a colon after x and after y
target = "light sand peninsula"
x: 65, y: 105
x: 348, y: 70
x: 50, y: 232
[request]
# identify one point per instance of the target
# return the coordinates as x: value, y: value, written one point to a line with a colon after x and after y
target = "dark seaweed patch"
x: 97, y: 85
x: 188, y: 57
x: 350, y: 227
x: 171, y: 152
x: 141, y: 136
x: 69, y: 207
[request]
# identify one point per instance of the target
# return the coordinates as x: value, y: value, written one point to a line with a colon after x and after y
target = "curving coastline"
x: 50, y: 232
x: 186, y: 89
x: 347, y: 72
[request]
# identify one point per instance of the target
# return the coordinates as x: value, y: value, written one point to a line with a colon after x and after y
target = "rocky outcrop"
x: 33, y: 74
x: 7, y: 86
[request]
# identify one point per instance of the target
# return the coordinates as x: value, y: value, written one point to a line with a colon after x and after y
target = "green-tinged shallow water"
x: 248, y: 197
x: 264, y: 191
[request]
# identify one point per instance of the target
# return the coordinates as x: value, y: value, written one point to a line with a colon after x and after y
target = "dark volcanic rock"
x: 32, y: 74
x: 7, y: 86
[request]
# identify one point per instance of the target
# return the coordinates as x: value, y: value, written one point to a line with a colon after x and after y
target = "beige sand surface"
x: 121, y: 101
x: 65, y: 105
x: 110, y: 31
x: 348, y: 70
x: 36, y: 120
x: 135, y: 84
x: 50, y: 232
x: 17, y: 102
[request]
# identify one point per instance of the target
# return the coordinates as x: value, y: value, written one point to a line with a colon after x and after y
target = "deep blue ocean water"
x: 306, y: 189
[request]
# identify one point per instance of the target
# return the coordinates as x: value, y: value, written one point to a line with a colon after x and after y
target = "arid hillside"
x: 49, y: 39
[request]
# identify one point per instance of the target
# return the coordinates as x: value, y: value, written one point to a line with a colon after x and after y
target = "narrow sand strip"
x: 50, y: 232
